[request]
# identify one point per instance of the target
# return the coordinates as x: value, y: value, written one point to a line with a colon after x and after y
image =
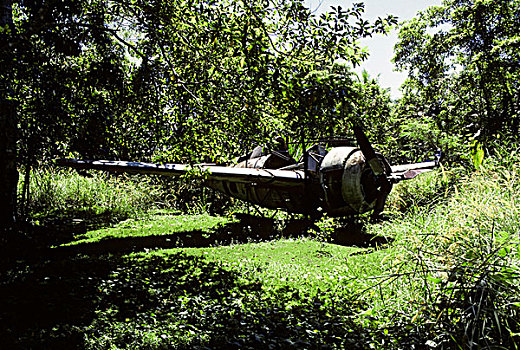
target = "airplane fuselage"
x: 340, y: 184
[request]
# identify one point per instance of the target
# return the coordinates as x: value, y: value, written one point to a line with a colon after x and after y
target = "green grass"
x: 304, y: 264
x: 65, y: 193
x: 157, y: 223
x: 169, y: 299
x: 450, y: 276
x: 458, y: 262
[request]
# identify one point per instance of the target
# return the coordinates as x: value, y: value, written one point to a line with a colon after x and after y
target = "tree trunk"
x: 8, y: 125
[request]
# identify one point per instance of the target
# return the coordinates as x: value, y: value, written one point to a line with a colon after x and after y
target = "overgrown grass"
x: 449, y: 279
x: 457, y: 268
x: 155, y: 223
x: 426, y: 190
x: 61, y: 192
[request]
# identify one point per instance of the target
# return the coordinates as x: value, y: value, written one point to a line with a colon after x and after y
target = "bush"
x: 426, y: 190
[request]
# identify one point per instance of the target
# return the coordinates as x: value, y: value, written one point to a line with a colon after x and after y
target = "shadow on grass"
x: 72, y: 301
x: 77, y: 220
x: 46, y: 301
x: 50, y: 304
x: 248, y: 228
x: 354, y: 234
x: 71, y: 297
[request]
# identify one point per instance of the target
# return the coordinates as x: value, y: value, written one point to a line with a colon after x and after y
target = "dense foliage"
x: 462, y: 89
x: 178, y: 80
x: 195, y: 81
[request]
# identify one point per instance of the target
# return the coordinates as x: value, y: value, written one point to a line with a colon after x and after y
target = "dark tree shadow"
x: 353, y: 233
x: 48, y: 304
x: 248, y: 228
x: 45, y: 301
x: 54, y: 303
x: 51, y: 296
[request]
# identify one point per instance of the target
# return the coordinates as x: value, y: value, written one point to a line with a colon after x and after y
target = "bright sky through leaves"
x: 380, y: 47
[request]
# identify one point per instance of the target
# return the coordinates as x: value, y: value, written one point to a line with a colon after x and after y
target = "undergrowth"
x: 66, y: 193
x: 449, y: 277
x: 457, y: 267
x: 426, y: 190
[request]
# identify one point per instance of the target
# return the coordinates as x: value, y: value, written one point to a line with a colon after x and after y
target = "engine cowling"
x: 349, y: 185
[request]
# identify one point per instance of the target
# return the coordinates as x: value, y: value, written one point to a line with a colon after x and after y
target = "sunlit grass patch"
x: 310, y: 266
x: 158, y: 223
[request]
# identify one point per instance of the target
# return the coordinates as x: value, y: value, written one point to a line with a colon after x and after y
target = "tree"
x: 236, y: 71
x: 8, y: 172
x: 171, y: 80
x: 463, y: 60
x: 66, y: 80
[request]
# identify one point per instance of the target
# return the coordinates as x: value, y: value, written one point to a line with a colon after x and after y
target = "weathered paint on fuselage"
x: 292, y: 199
x: 342, y: 185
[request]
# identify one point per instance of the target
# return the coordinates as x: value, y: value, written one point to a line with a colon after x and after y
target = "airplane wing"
x: 409, y: 171
x: 288, y: 178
